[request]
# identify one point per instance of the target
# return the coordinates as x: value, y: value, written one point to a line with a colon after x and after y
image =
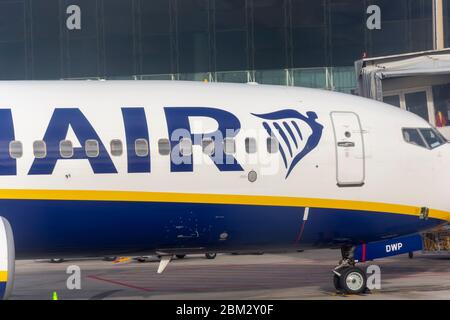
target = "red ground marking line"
x: 119, y: 283
x: 186, y: 288
x: 217, y: 272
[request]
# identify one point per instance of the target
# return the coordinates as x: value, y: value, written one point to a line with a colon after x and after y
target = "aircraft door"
x: 349, y: 145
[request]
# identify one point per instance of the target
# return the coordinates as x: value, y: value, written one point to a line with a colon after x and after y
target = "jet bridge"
x: 417, y: 82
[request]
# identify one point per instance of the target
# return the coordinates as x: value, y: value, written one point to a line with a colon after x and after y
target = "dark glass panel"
x: 118, y: 37
x: 193, y: 36
x: 348, y: 23
x: 230, y: 14
x: 421, y: 9
x: 417, y: 103
x: 421, y: 25
x: 192, y: 15
x: 231, y: 50
x: 156, y: 57
x: 156, y: 48
x: 193, y: 52
x: 391, y: 39
x: 309, y: 33
x: 270, y: 34
x: 82, y: 46
x: 82, y: 58
x: 12, y: 41
x: 155, y: 17
x: 421, y: 35
x: 392, y: 100
x: 231, y: 35
x: 307, y: 13
x: 46, y: 44
x: 12, y: 21
x: 12, y: 61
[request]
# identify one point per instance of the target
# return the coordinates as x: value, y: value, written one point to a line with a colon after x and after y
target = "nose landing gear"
x: 350, y: 280
x: 347, y: 277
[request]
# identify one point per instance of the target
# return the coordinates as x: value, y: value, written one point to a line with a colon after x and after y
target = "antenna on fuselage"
x: 163, y: 263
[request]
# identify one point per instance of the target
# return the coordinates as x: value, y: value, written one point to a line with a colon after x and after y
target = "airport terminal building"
x: 311, y: 43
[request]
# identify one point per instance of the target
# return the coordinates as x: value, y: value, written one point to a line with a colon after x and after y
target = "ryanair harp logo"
x: 296, y: 134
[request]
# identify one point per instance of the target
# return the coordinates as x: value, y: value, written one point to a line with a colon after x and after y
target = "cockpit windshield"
x: 428, y: 138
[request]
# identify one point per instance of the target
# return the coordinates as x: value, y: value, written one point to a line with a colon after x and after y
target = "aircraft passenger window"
x: 272, y: 145
x: 185, y: 147
x: 229, y: 146
x: 250, y: 145
x: 164, y: 147
x: 15, y: 149
x: 91, y: 148
x: 208, y: 146
x: 39, y: 149
x: 141, y: 147
x: 66, y: 149
x: 413, y: 136
x: 116, y: 147
x: 432, y: 138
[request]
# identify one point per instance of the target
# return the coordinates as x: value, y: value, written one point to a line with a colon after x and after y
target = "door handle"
x: 346, y: 144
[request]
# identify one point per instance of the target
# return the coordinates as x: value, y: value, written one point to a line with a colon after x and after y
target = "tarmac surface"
x: 305, y: 275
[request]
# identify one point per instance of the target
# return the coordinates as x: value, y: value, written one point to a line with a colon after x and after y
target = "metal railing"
x: 341, y: 79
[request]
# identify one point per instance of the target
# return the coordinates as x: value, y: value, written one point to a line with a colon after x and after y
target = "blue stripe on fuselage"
x: 2, y: 289
x: 45, y: 228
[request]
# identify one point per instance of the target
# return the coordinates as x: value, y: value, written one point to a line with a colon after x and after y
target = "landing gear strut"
x: 347, y: 277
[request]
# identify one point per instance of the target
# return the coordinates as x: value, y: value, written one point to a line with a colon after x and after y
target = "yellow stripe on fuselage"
x: 3, y: 276
x: 134, y: 196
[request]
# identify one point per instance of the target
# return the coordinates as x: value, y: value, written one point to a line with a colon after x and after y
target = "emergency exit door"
x: 349, y: 145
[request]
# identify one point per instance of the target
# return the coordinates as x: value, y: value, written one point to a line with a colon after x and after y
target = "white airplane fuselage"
x: 341, y: 171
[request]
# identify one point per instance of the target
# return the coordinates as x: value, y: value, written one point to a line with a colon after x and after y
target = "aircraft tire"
x: 353, y: 280
x: 109, y: 258
x: 180, y: 256
x: 337, y: 279
x: 141, y: 259
x: 56, y: 260
x: 210, y: 255
x: 336, y: 282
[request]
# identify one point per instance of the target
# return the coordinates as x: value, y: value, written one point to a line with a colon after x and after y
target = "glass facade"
x: 288, y: 42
